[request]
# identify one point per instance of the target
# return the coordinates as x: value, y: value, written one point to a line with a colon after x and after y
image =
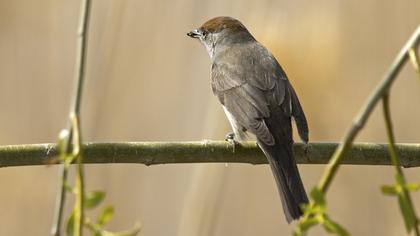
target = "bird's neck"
x: 227, y: 41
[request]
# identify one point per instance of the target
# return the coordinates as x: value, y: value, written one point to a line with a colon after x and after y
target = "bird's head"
x: 220, y: 31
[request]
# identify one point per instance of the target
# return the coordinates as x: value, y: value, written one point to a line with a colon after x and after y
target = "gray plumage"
x: 258, y: 98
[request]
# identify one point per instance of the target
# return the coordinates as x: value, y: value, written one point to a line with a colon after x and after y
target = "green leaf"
x: 68, y: 187
x: 312, y: 209
x: 318, y: 197
x: 333, y: 227
x: 131, y: 232
x: 412, y: 187
x: 298, y: 232
x: 70, y: 224
x: 305, y: 225
x: 105, y: 216
x: 390, y: 190
x: 94, y: 198
x: 305, y: 206
x: 407, y: 212
x: 94, y: 229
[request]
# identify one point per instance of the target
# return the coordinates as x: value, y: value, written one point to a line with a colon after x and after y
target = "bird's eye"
x: 204, y: 33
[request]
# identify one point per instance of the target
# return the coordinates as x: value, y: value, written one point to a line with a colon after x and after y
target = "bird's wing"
x: 247, y: 106
x: 261, y: 80
x: 299, y: 116
x: 250, y: 92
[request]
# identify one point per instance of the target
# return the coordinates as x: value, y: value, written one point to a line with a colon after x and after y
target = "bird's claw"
x: 307, y: 148
x: 230, y: 137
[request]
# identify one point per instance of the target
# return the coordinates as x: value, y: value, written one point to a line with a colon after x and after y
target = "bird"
x: 258, y: 99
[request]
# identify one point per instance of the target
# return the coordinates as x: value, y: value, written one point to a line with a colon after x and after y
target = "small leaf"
x: 312, y: 209
x: 318, y: 197
x: 131, y: 232
x: 333, y: 227
x: 390, y: 190
x: 305, y: 225
x: 70, y: 224
x: 93, y: 228
x: 105, y: 216
x: 407, y: 212
x: 68, y: 187
x: 412, y: 187
x: 94, y: 198
x: 305, y: 206
x: 298, y: 232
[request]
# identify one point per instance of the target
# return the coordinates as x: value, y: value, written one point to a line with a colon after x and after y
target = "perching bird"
x: 257, y: 98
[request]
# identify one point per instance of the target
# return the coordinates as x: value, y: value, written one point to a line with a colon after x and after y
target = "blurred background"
x: 147, y: 81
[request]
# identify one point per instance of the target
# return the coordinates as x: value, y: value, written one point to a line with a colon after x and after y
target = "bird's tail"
x: 286, y: 174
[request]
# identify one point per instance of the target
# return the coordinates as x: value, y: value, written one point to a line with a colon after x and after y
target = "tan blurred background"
x: 148, y: 81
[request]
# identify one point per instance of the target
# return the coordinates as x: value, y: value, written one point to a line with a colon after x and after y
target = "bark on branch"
x: 154, y: 153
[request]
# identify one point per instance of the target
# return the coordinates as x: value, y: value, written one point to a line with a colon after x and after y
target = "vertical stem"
x: 59, y: 202
x: 395, y: 160
x: 390, y: 133
x: 82, y: 37
x: 80, y: 192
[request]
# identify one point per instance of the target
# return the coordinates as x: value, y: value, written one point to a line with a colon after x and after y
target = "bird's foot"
x: 307, y: 148
x: 230, y: 137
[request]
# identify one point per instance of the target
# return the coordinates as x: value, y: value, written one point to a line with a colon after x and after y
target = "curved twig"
x: 367, y: 109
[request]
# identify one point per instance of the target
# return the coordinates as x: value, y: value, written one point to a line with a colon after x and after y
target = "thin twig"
x: 82, y: 35
x: 367, y: 109
x: 396, y: 162
x: 414, y: 58
x: 80, y: 190
x: 75, y: 107
x: 390, y: 133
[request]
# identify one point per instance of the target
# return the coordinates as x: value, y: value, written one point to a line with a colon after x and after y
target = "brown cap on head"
x: 220, y: 23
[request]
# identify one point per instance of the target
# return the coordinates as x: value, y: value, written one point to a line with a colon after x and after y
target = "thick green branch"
x: 153, y: 153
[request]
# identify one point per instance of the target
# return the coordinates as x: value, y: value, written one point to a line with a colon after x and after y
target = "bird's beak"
x: 195, y: 33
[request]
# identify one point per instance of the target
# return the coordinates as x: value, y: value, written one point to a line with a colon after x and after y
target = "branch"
x: 414, y: 58
x: 367, y: 109
x: 404, y: 198
x: 154, y: 153
x: 74, y: 115
x: 314, y: 212
x: 79, y: 188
